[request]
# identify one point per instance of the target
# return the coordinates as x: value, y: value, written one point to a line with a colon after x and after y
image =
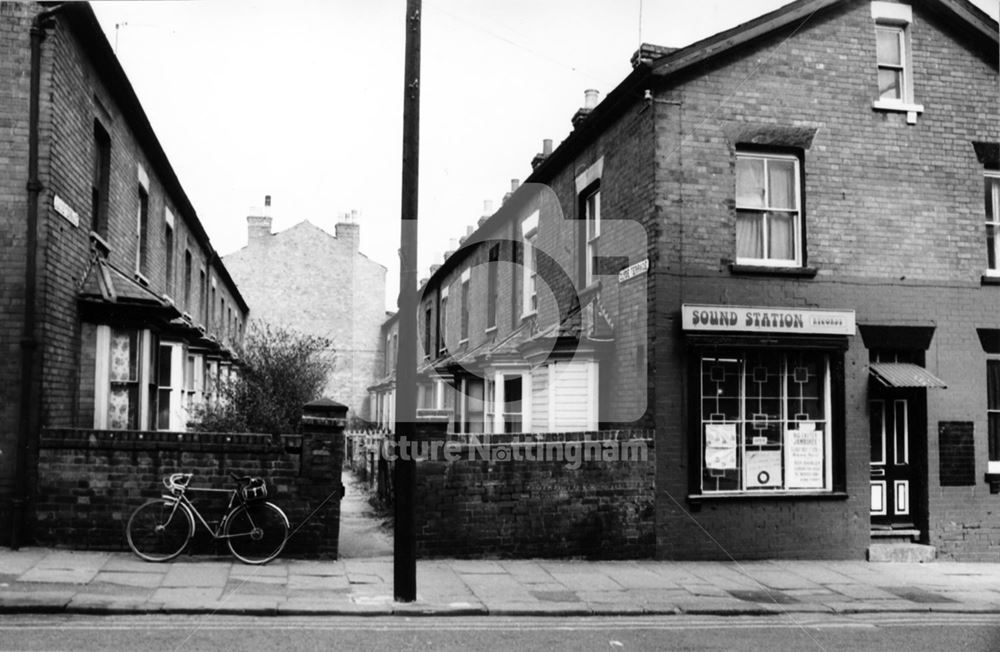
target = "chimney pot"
x: 547, y: 146
x: 469, y: 230
x: 514, y: 183
x: 267, y: 200
x: 590, y: 98
x: 487, y: 207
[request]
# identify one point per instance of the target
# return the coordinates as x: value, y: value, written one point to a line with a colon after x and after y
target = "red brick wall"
x: 603, y: 509
x: 91, y: 481
x: 894, y: 218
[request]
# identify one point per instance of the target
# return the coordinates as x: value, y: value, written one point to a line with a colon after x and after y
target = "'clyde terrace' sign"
x: 767, y: 320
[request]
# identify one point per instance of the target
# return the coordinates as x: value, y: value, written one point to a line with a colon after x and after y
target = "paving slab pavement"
x: 38, y: 580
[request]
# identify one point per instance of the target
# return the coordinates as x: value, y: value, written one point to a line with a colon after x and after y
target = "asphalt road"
x: 911, y: 632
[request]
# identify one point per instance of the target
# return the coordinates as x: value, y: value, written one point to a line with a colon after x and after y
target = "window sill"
x: 911, y: 110
x: 490, y: 330
x: 769, y: 495
x: 529, y: 315
x: 990, y: 279
x: 767, y: 270
x: 463, y: 342
x: 142, y: 279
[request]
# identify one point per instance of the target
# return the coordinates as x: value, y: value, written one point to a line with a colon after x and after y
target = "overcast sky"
x: 302, y: 99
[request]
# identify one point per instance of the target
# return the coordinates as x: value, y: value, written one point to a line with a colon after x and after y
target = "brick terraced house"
x: 808, y: 316
x: 117, y: 312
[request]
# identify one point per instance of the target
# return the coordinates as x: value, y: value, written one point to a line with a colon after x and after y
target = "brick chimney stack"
x: 348, y: 230
x: 259, y: 223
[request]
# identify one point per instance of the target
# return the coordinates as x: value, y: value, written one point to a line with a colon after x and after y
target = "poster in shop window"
x: 804, y: 457
x: 763, y: 469
x: 720, y: 446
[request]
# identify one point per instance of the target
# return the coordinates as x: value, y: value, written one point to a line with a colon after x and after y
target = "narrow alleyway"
x: 363, y: 533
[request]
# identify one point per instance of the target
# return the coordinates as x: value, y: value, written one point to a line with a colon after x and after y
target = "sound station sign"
x: 745, y: 319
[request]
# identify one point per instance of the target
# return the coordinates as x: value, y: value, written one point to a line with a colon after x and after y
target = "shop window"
x: 765, y: 423
x: 992, y: 205
x: 993, y: 413
x: 768, y: 215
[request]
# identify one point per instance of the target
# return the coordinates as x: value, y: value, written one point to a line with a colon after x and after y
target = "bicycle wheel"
x: 159, y: 529
x: 256, y: 532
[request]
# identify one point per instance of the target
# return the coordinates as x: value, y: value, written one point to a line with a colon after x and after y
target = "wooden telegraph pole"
x: 404, y: 473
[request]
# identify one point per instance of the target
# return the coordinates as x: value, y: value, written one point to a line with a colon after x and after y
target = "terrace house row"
x: 777, y: 247
x: 125, y: 314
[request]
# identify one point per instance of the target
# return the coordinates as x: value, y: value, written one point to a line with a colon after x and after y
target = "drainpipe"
x: 29, y: 343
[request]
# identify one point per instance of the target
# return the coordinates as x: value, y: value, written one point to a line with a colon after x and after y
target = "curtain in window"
x: 781, y: 231
x: 749, y: 183
x: 749, y: 234
x: 781, y: 184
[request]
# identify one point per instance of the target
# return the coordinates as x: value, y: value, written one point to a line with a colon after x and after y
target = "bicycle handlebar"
x: 177, y: 481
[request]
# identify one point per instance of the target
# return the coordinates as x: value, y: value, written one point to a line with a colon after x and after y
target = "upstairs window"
x: 142, y: 234
x: 891, y: 55
x: 168, y: 247
x: 894, y: 59
x: 492, y: 270
x: 992, y: 202
x: 592, y: 217
x: 465, y: 306
x: 428, y: 315
x: 768, y: 216
x: 188, y: 270
x: 529, y: 294
x: 443, y: 322
x: 101, y: 180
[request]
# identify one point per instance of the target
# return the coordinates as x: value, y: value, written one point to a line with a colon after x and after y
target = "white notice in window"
x: 720, y: 446
x: 804, y: 459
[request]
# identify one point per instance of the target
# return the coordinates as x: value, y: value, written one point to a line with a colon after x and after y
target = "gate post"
x: 322, y: 426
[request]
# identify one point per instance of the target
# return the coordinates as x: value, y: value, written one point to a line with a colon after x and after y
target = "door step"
x: 895, y: 536
x: 900, y: 552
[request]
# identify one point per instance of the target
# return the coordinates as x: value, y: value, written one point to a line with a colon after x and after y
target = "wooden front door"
x: 893, y: 475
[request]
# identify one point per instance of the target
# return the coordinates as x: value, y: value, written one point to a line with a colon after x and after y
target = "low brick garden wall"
x: 512, y: 496
x: 89, y: 481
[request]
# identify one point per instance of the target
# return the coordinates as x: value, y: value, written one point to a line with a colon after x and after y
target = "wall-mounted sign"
x: 632, y: 271
x: 767, y: 320
x: 65, y: 210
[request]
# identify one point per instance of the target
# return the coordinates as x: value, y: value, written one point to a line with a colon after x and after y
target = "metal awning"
x: 904, y: 374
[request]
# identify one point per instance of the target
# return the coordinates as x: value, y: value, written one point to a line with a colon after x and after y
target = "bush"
x: 280, y: 370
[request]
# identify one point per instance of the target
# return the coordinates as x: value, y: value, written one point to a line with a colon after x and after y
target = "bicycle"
x: 254, y: 530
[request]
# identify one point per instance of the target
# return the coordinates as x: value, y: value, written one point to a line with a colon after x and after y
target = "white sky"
x: 302, y: 100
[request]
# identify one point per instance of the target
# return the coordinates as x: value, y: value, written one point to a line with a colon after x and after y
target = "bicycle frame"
x: 181, y: 498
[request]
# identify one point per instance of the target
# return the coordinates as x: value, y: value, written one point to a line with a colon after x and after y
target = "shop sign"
x: 746, y: 319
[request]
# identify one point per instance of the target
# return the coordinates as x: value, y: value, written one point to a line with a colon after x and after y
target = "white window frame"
x: 766, y: 261
x: 529, y: 272
x: 897, y: 17
x: 993, y: 179
x: 176, y: 387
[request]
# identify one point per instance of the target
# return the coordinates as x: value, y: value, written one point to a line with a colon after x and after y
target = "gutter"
x: 28, y: 414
